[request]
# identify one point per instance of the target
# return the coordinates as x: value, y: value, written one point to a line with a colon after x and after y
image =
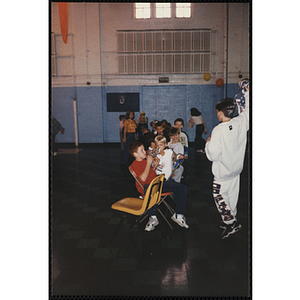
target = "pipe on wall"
x: 225, y: 54
x: 87, y: 46
x: 227, y: 32
x: 75, y: 122
x: 103, y: 93
x: 75, y: 90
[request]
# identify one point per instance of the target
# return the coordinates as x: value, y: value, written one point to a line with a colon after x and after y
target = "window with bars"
x: 61, y: 56
x: 164, y: 51
x: 53, y: 55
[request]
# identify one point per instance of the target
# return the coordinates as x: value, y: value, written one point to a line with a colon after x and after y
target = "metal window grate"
x: 62, y: 63
x: 164, y: 51
x: 53, y: 55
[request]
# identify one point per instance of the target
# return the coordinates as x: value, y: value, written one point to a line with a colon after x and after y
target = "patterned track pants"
x: 226, y: 195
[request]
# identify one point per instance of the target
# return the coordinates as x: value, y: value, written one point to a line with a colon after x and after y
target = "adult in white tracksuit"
x: 226, y: 149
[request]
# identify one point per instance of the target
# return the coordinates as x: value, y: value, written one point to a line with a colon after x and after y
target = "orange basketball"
x: 206, y: 77
x: 219, y: 82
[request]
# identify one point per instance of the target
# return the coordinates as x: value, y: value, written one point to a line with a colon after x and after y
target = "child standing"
x: 129, y: 135
x: 142, y: 119
x: 140, y: 123
x: 226, y: 150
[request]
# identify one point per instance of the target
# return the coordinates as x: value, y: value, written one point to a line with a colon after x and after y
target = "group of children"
x: 131, y: 130
x: 156, y: 153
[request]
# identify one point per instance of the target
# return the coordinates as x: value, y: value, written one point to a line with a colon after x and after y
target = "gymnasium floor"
x: 85, y: 182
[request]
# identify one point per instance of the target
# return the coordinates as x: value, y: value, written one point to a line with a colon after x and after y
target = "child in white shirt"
x: 167, y: 158
x: 177, y: 148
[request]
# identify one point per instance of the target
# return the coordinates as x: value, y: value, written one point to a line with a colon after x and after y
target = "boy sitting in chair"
x: 145, y: 173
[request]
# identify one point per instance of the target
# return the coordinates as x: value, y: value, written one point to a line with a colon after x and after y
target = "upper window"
x: 163, y: 10
x: 142, y: 10
x: 183, y: 10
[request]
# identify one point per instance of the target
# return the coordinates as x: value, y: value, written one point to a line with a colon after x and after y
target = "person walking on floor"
x: 55, y: 129
x: 197, y: 119
x: 226, y: 149
x: 129, y: 135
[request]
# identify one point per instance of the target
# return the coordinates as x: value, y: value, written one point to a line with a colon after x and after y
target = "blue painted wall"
x: 62, y: 110
x: 90, y: 114
x: 96, y: 125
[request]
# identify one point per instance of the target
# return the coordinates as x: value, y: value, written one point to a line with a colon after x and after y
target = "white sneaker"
x: 201, y: 151
x: 153, y: 221
x: 180, y: 220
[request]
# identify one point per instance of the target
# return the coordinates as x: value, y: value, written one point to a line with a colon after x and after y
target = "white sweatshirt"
x: 176, y: 147
x: 165, y: 163
x: 226, y: 148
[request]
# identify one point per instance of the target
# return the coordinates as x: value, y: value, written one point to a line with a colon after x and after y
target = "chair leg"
x: 167, y: 205
x: 164, y: 218
x: 144, y: 217
x: 171, y: 210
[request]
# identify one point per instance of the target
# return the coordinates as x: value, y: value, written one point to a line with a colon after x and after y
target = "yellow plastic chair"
x: 162, y: 200
x: 137, y: 206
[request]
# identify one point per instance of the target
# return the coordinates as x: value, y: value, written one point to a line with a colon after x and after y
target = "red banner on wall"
x: 63, y: 11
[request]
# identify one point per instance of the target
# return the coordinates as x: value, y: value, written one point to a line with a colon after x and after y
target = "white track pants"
x: 226, y: 195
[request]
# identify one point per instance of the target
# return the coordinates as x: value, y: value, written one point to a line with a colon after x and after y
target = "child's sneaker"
x: 153, y: 221
x: 231, y: 229
x: 180, y: 220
